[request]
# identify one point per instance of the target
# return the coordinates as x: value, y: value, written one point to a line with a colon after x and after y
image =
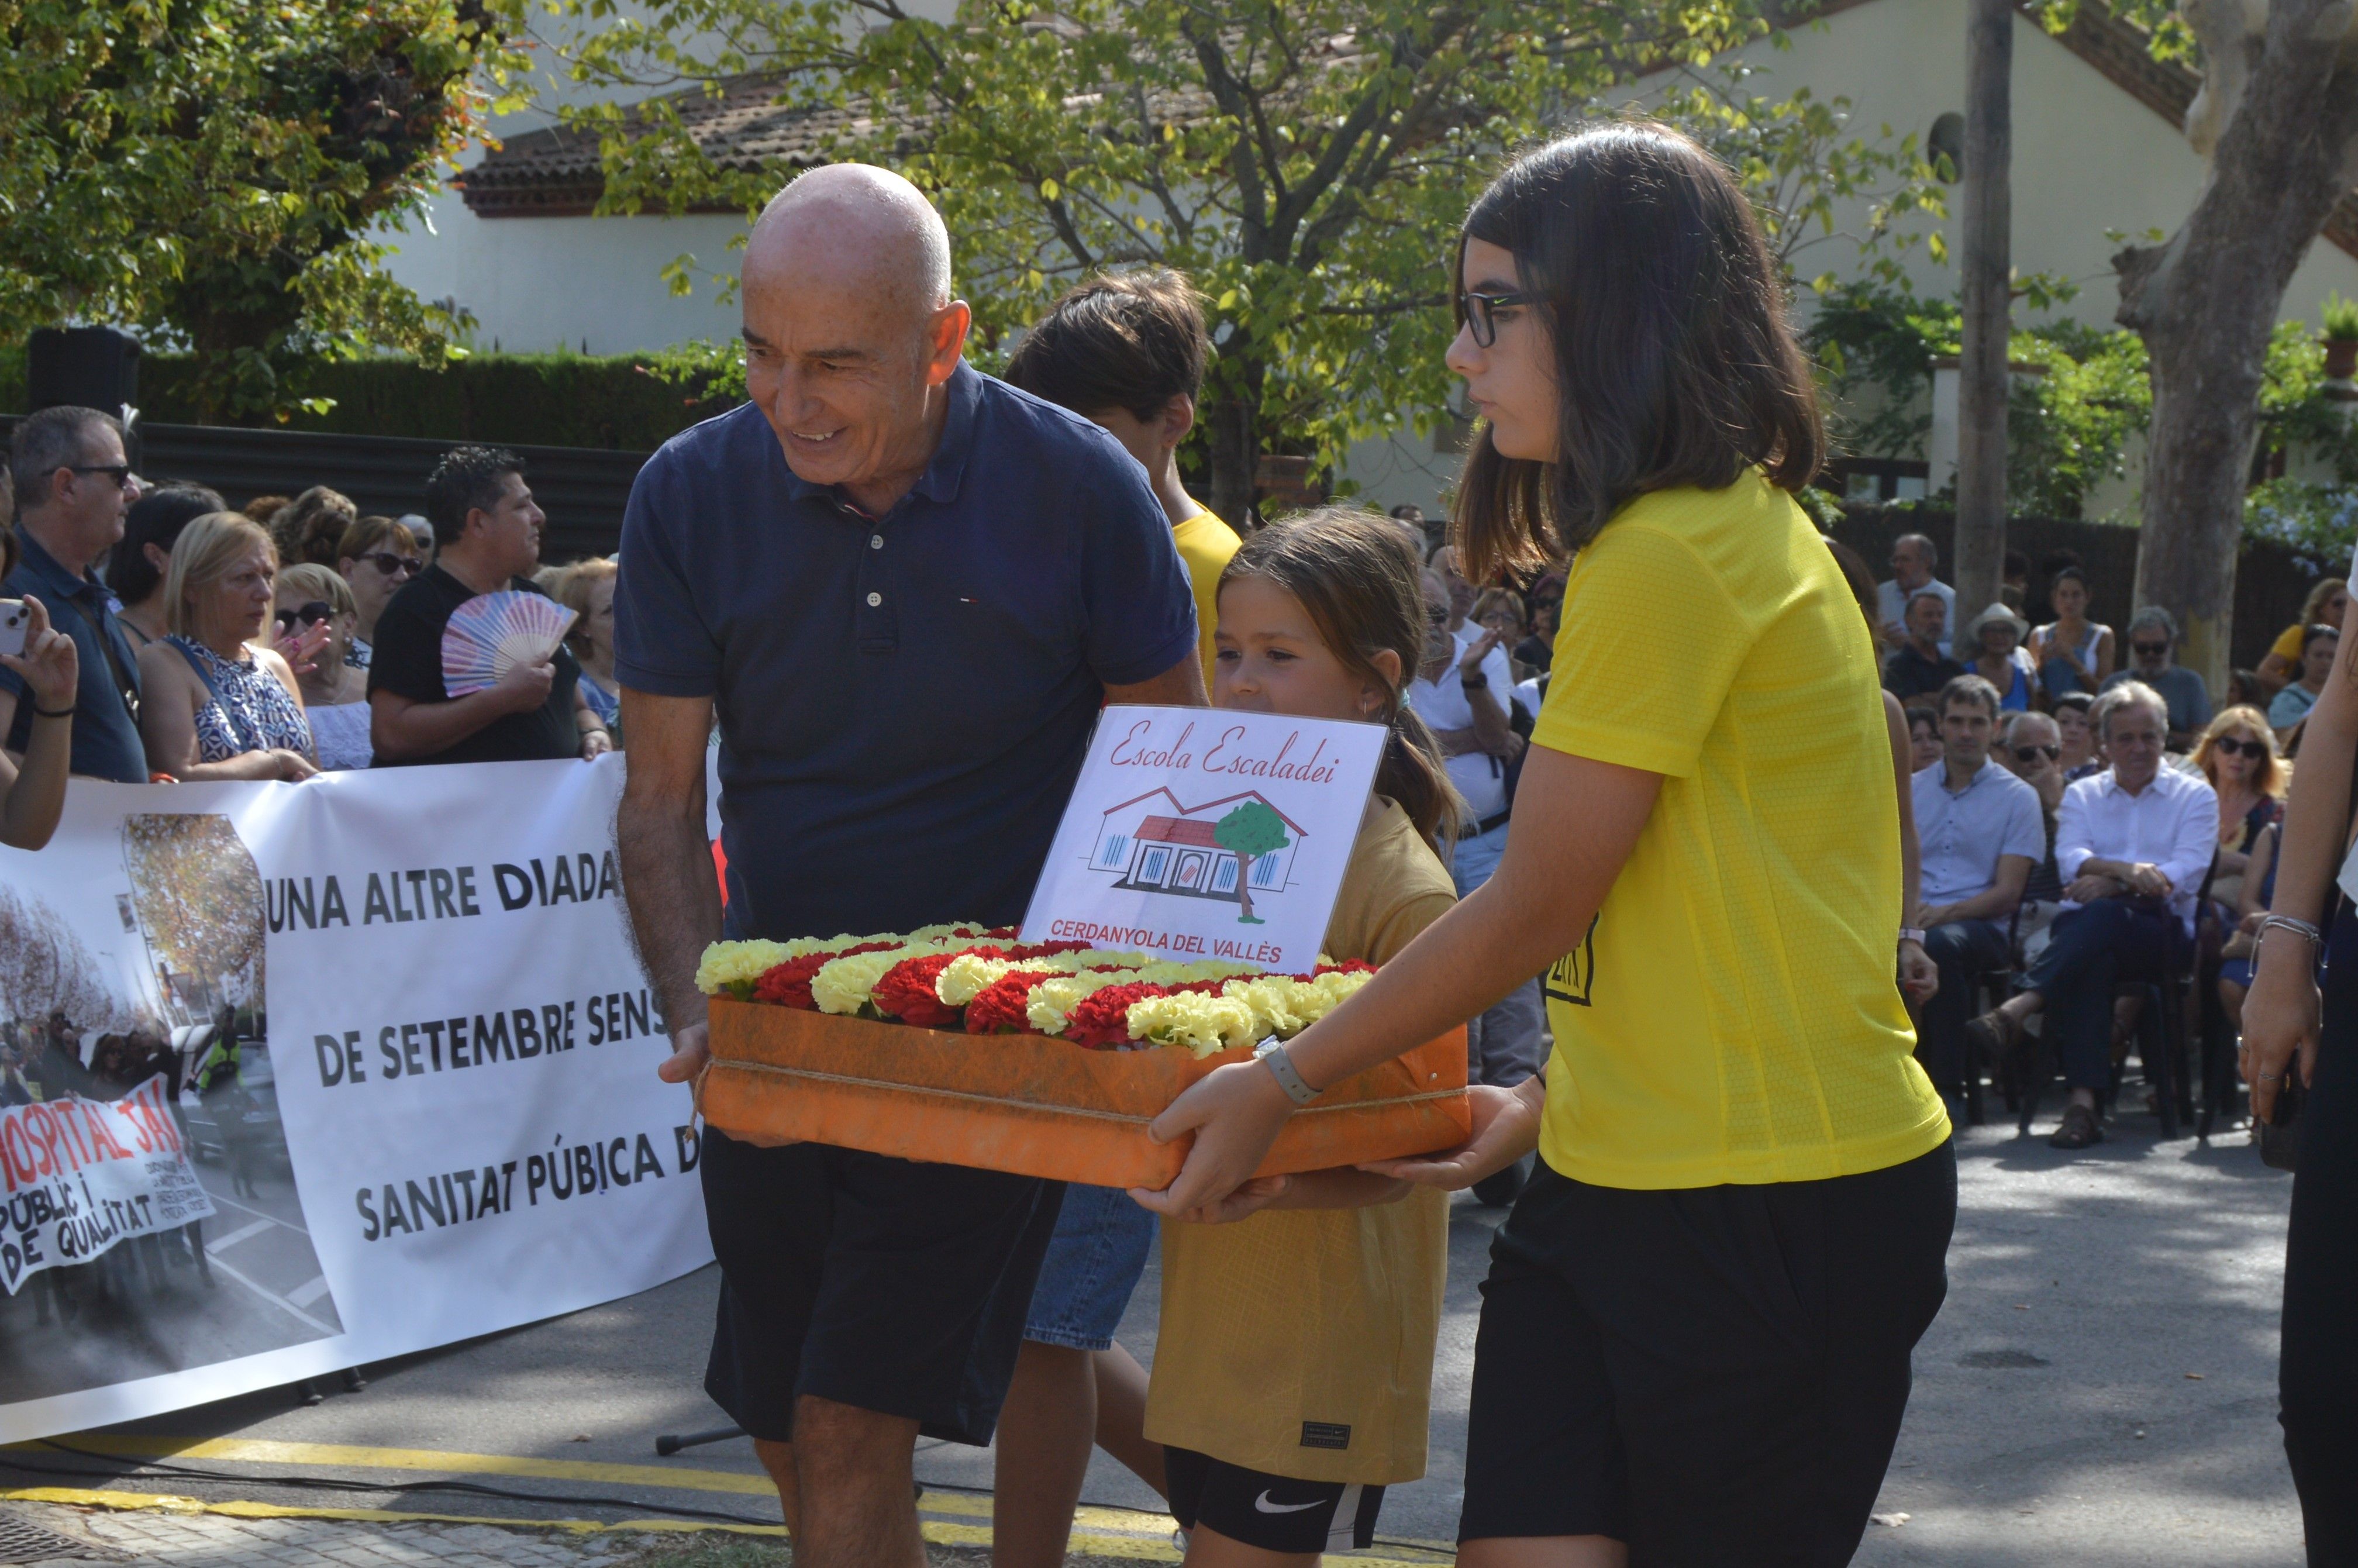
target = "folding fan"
x: 493, y: 633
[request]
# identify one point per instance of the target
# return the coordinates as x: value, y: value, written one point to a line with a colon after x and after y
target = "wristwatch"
x: 1910, y: 934
x: 1272, y: 1054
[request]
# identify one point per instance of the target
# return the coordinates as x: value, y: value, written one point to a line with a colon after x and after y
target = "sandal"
x: 2080, y: 1129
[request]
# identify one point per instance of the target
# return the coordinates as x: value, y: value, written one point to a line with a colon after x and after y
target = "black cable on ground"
x: 316, y: 1483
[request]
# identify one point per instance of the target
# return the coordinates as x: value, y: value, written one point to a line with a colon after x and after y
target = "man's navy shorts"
x: 880, y: 1284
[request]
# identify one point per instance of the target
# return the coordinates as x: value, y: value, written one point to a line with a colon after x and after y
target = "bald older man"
x: 906, y: 589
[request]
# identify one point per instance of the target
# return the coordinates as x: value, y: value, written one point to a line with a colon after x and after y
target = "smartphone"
x: 14, y: 619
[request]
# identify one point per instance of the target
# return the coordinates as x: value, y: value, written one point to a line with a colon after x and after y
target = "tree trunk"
x: 1244, y: 889
x: 1986, y: 232
x: 1231, y: 417
x: 2206, y: 301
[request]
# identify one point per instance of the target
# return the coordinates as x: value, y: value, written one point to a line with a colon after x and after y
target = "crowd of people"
x: 172, y: 636
x: 1625, y: 888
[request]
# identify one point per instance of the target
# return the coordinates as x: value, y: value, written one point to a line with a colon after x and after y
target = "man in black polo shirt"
x: 907, y: 589
x: 73, y: 489
x: 483, y: 512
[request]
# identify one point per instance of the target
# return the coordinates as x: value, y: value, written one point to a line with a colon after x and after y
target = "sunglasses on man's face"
x: 307, y: 615
x: 2150, y: 650
x: 119, y: 472
x: 1436, y: 614
x: 2032, y: 753
x: 2254, y: 750
x: 390, y: 565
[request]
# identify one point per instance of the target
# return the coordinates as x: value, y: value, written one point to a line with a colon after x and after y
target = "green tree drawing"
x: 1251, y: 830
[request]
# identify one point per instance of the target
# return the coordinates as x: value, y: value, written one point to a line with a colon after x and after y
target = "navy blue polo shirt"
x: 904, y: 701
x: 106, y: 739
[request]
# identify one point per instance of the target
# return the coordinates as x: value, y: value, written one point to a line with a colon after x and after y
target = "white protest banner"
x: 1207, y: 833
x: 80, y: 1175
x: 396, y: 1022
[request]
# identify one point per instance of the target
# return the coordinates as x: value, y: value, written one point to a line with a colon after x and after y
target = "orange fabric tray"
x: 1036, y: 1105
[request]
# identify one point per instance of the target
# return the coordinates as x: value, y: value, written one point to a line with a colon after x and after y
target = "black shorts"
x: 1713, y: 1375
x: 881, y: 1283
x: 1270, y: 1511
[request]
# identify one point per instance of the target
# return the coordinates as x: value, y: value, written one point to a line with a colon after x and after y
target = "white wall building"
x: 2098, y: 154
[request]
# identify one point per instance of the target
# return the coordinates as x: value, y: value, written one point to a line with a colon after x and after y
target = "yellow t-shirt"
x: 1205, y: 545
x: 1732, y: 1016
x: 2288, y: 643
x: 1299, y: 1342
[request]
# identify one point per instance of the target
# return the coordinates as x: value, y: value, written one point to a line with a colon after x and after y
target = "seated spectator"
x: 2239, y: 756
x: 2245, y: 690
x: 1923, y: 734
x: 33, y: 787
x: 2323, y: 607
x: 2293, y: 703
x: 1500, y: 611
x: 1914, y: 559
x: 375, y: 557
x: 2033, y: 745
x: 2081, y: 756
x: 2073, y: 652
x: 1536, y: 652
x: 1979, y: 834
x: 2153, y: 642
x: 1991, y: 646
x: 483, y: 512
x: 2014, y: 580
x: 1919, y: 666
x: 587, y: 589
x: 135, y: 570
x: 1429, y: 530
x: 2239, y: 956
x: 216, y: 707
x: 421, y: 533
x: 2133, y: 844
x: 311, y: 526
x: 1462, y: 595
x: 335, y: 693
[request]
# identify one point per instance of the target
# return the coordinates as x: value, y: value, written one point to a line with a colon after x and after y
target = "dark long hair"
x: 1357, y: 577
x: 156, y: 518
x: 1675, y: 360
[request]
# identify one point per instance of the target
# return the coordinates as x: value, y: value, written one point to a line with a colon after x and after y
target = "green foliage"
x: 1304, y: 164
x: 211, y: 171
x: 1249, y: 830
x: 2068, y: 429
x: 2341, y: 318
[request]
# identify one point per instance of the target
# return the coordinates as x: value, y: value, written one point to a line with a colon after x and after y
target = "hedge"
x: 611, y: 402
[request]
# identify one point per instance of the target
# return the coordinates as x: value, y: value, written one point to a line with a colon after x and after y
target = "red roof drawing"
x: 1176, y: 830
x: 1188, y: 811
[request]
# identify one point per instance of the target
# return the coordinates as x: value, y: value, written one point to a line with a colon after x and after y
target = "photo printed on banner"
x: 153, y: 1223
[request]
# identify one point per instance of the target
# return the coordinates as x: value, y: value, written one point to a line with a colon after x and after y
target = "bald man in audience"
x: 906, y: 590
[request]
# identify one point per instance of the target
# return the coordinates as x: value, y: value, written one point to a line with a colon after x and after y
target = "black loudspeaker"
x: 96, y: 367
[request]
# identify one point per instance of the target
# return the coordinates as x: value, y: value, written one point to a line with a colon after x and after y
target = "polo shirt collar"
x: 939, y: 482
x: 44, y: 565
x: 1971, y: 783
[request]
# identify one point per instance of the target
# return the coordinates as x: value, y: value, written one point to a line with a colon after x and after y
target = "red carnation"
x: 1347, y: 967
x: 1102, y: 1020
x: 1045, y: 949
x: 1003, y: 1006
x: 789, y: 984
x: 906, y: 992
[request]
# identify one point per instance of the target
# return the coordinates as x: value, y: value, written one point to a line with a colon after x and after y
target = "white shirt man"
x: 1914, y: 558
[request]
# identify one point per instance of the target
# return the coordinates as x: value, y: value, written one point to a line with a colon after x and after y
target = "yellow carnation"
x: 1200, y: 1023
x: 725, y: 964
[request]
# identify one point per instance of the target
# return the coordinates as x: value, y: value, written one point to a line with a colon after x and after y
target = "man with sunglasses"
x: 2153, y: 642
x: 1979, y: 833
x: 74, y: 488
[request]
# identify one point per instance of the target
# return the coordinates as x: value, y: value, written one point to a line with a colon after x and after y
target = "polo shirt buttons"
x: 874, y: 599
x: 875, y: 541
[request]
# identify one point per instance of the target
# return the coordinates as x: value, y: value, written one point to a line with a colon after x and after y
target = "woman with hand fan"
x: 213, y: 706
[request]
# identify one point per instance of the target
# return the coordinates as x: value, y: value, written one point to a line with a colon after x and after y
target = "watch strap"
x: 1280, y: 1065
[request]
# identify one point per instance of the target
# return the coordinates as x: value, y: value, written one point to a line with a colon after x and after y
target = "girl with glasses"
x: 377, y: 558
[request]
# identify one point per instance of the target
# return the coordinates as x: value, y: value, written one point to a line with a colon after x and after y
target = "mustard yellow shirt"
x: 1299, y: 1342
x: 1732, y: 1016
x: 1204, y: 546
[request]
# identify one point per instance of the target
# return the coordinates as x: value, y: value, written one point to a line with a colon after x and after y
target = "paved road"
x: 2054, y: 1421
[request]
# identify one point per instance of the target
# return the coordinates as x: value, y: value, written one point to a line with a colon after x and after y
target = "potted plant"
x: 2340, y: 338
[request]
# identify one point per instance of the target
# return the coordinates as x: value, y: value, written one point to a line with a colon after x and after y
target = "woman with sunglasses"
x: 335, y: 693
x: 213, y: 704
x: 2238, y: 754
x: 376, y: 559
x: 1695, y: 1333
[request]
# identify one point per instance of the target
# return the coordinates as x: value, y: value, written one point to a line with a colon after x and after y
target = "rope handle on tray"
x: 1028, y: 1105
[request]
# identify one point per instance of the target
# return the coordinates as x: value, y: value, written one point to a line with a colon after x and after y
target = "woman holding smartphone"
x: 2300, y: 1051
x: 48, y: 674
x: 1696, y: 1329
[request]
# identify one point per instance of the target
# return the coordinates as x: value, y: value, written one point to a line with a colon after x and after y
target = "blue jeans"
x: 1094, y: 1262
x: 1508, y: 1043
x: 2092, y: 949
x: 1963, y: 950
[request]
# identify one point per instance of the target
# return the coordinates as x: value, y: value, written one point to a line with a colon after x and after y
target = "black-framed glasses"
x: 2150, y: 650
x: 2031, y: 754
x: 309, y: 615
x: 2254, y: 750
x: 119, y: 472
x: 1479, y: 312
x: 390, y: 565
x: 1436, y: 615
